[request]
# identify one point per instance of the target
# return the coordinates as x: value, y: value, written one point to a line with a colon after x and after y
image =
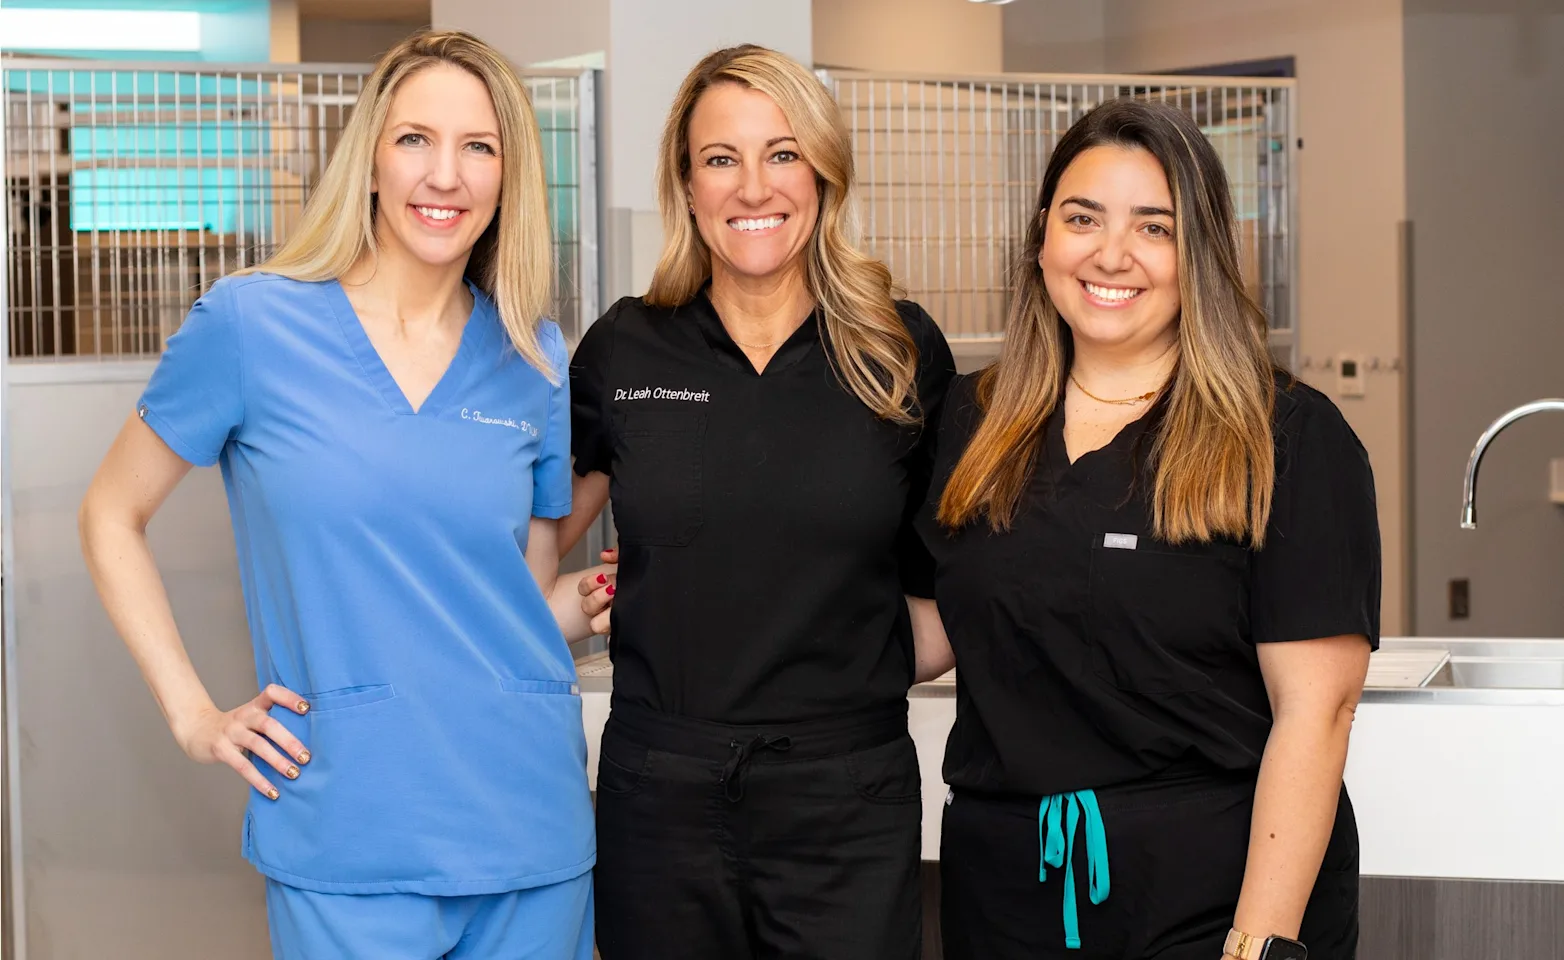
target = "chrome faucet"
x: 1469, y: 490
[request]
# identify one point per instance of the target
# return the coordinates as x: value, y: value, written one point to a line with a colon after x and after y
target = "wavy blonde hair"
x: 873, y: 353
x: 512, y: 261
x: 1212, y: 457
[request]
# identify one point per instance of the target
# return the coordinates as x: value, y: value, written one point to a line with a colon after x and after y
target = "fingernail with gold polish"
x: 273, y: 793
x: 303, y: 706
x: 304, y: 756
x: 293, y: 773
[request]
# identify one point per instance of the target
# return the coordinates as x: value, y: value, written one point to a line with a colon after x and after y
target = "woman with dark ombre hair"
x: 1158, y: 568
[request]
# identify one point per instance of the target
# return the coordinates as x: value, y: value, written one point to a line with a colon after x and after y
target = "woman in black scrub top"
x: 756, y: 419
x: 1158, y: 566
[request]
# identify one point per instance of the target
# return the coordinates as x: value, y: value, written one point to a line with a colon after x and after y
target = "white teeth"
x: 1112, y: 293
x: 766, y: 223
x: 434, y: 213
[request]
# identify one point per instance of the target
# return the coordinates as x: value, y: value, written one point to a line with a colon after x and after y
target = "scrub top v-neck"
x: 1089, y: 653
x: 476, y: 340
x: 382, y: 555
x: 764, y: 518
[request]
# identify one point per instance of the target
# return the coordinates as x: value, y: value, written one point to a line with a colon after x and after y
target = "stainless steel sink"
x: 1483, y: 670
x: 1494, y: 673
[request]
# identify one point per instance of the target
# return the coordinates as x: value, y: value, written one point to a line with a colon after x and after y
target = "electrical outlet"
x: 1460, y: 598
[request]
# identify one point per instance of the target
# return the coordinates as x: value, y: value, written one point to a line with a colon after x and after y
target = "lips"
x: 756, y: 224
x: 1110, y: 295
x: 438, y: 216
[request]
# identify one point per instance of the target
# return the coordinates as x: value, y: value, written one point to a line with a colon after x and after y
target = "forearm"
x: 122, y: 567
x: 564, y: 599
x: 1294, y: 813
x: 931, y: 647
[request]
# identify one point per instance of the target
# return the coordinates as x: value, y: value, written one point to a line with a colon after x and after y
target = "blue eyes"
x: 419, y: 140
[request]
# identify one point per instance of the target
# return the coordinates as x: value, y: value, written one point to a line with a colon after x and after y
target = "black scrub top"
x: 1090, y: 654
x: 765, y: 520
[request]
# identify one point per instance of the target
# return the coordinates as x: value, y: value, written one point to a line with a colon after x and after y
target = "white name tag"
x: 1120, y: 541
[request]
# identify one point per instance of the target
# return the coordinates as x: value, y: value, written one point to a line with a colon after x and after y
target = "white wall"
x: 923, y: 36
x: 130, y: 849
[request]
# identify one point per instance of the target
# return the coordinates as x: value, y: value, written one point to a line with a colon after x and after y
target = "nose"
x: 755, y: 184
x: 444, y: 168
x: 1113, y: 254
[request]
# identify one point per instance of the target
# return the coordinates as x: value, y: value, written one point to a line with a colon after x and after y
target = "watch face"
x: 1277, y: 948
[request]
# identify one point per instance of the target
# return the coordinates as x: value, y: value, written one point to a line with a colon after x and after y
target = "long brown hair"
x: 513, y: 260
x: 1212, y: 456
x: 872, y: 351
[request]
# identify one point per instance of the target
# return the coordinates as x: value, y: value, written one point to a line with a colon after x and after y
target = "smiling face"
x: 1109, y: 257
x: 755, y: 199
x: 437, y: 166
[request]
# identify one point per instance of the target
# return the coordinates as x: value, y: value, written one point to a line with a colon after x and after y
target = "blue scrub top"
x: 381, y: 553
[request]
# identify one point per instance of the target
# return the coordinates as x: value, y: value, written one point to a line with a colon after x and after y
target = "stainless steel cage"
x: 949, y: 169
x: 131, y: 187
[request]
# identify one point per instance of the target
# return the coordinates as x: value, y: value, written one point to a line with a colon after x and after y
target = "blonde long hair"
x: 512, y: 262
x: 873, y: 353
x: 1213, y: 456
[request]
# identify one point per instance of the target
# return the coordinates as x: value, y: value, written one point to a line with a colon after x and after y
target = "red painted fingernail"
x: 610, y: 590
x: 601, y: 578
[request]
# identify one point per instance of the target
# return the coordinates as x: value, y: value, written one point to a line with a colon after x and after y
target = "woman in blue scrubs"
x: 391, y: 419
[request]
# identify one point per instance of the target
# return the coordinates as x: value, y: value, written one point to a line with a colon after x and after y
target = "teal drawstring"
x: 1054, y: 854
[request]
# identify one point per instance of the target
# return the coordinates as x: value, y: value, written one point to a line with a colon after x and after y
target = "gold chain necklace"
x: 1122, y: 403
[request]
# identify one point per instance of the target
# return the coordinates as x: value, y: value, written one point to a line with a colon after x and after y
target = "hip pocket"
x: 888, y: 773
x: 1165, y: 621
x: 657, y: 477
x: 325, y: 701
x: 622, y: 765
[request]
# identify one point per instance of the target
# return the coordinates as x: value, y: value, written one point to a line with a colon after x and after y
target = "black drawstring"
x: 733, y: 771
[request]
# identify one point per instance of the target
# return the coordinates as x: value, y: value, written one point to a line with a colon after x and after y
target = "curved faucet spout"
x: 1469, y: 489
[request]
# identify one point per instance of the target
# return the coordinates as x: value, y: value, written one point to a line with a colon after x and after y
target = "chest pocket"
x: 658, y: 463
x: 1167, y: 621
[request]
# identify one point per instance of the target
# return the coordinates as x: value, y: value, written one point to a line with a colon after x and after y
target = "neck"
x: 761, y: 310
x: 417, y: 294
x: 1118, y: 372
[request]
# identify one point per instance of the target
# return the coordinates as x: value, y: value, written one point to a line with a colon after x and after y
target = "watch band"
x: 1240, y: 945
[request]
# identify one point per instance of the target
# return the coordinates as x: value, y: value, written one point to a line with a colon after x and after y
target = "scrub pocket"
x: 1162, y: 619
x: 660, y: 457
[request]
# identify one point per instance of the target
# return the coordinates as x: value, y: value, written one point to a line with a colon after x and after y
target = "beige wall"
x: 925, y: 36
x: 1055, y: 36
x: 1485, y: 130
x: 349, y: 41
x: 530, y: 31
x: 1352, y: 193
x: 285, y: 31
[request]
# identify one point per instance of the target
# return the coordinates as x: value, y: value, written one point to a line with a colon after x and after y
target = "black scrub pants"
x: 1176, y: 850
x: 727, y: 842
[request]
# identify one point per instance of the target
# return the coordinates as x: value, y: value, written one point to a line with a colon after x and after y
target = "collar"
x: 796, y: 347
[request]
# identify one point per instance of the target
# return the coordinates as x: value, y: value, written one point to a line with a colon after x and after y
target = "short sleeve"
x: 936, y: 370
x: 591, y: 443
x: 1318, y: 574
x: 195, y: 399
x: 551, y: 472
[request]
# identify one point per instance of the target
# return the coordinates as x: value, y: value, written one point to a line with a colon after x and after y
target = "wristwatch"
x: 1247, y: 947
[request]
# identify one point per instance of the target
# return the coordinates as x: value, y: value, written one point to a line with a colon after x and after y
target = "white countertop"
x: 1445, y: 782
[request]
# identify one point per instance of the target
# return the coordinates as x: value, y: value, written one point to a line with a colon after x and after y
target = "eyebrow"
x: 728, y: 146
x: 1094, y: 206
x: 420, y: 128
